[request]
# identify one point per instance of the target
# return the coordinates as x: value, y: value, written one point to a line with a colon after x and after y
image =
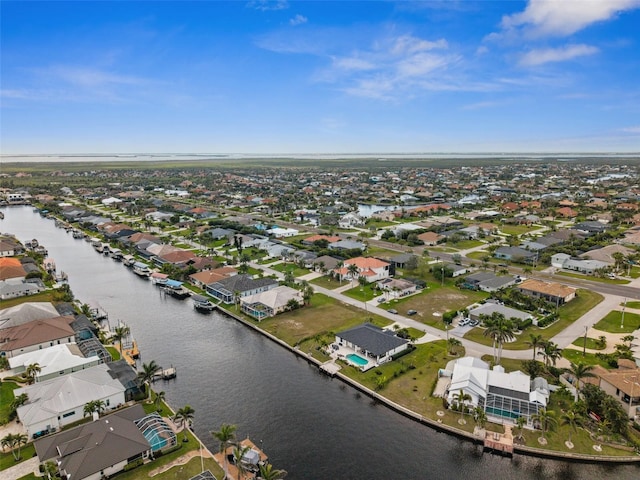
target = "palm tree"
x: 226, y: 435
x: 573, y: 420
x: 32, y: 372
x: 460, y: 398
x: 547, y: 419
x: 551, y: 353
x: 479, y: 416
x: 452, y: 343
x: 501, y: 330
x: 267, y: 472
x: 94, y: 406
x: 184, y: 417
x: 339, y: 266
x: 119, y: 334
x: 149, y: 371
x: 353, y: 271
x: 535, y: 342
x: 50, y: 469
x: 579, y: 371
x: 238, y: 454
x: 520, y: 423
x: 19, y: 401
x: 159, y: 399
x: 14, y: 441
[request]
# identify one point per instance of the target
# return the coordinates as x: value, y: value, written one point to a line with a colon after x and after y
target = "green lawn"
x: 327, y: 282
x: 361, y: 293
x: 518, y: 229
x: 575, y: 356
x: 6, y: 458
x: 6, y: 397
x: 308, y: 326
x: 615, y: 281
x: 38, y: 297
x: 115, y: 354
x: 290, y: 267
x: 612, y: 321
x: 585, y: 300
x: 592, y: 343
x: 465, y: 244
x: 632, y: 304
x: 635, y: 272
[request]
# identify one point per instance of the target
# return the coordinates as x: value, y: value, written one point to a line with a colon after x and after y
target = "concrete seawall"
x: 520, y: 449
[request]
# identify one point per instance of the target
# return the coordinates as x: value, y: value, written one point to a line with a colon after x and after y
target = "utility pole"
x: 584, y: 345
x: 624, y: 305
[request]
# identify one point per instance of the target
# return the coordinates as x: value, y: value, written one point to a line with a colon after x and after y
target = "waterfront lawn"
x: 584, y: 301
x: 6, y: 458
x: 38, y: 297
x: 308, y: 325
x: 6, y: 397
x: 611, y: 322
x: 410, y: 379
x: 115, y: 353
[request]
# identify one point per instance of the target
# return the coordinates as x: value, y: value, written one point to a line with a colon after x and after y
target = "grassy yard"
x: 361, y: 293
x: 38, y: 297
x: 632, y: 304
x: 6, y: 397
x: 614, y: 281
x: 309, y: 326
x: 373, y: 251
x: 575, y: 356
x: 611, y: 322
x: 584, y: 301
x: 290, y: 267
x: 115, y: 354
x: 327, y: 282
x: 464, y: 244
x: 592, y: 343
x: 6, y: 458
x: 518, y: 229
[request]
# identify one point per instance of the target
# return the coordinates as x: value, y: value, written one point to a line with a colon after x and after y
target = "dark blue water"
x: 312, y: 426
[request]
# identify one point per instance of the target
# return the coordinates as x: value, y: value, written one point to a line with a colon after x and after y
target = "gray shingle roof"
x: 243, y: 283
x: 372, y: 339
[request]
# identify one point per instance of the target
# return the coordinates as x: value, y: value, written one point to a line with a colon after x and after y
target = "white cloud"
x: 564, y: 17
x: 298, y: 20
x: 408, y: 44
x: 90, y: 77
x: 480, y: 105
x: 633, y: 129
x: 541, y: 56
x: 352, y: 63
x: 267, y: 5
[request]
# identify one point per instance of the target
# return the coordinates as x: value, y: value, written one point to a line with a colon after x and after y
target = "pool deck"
x: 342, y: 352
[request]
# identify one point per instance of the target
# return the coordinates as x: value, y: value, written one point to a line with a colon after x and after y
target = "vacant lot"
x: 614, y: 322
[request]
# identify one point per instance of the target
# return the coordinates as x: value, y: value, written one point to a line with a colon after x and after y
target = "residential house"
x: 14, y: 288
x: 326, y: 262
x: 351, y: 220
x: 11, y: 268
x: 58, y: 402
x: 555, y: 293
x: 36, y: 335
x: 320, y: 238
x: 623, y: 385
x: 372, y: 269
x: 26, y: 312
x: 504, y: 396
x: 231, y: 289
x: 279, y: 232
x: 488, y: 282
x: 515, y: 254
x: 347, y: 245
x: 606, y: 253
x: 457, y: 270
x: 98, y: 449
x: 373, y: 342
x: 54, y: 361
x: 431, y: 238
x: 397, y: 287
x: 207, y: 277
x: 271, y: 302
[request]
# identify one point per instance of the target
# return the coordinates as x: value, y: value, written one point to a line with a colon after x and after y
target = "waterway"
x: 310, y: 425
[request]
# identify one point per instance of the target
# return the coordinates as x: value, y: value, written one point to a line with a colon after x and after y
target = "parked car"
x: 411, y: 312
x: 463, y: 322
x: 392, y: 310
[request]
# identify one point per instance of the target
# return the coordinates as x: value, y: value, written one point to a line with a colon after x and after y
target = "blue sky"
x: 320, y: 77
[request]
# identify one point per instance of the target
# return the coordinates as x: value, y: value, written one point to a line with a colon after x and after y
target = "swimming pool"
x: 357, y: 359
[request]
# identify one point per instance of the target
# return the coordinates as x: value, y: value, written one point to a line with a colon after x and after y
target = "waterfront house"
x: 555, y: 293
x: 207, y: 277
x: 504, y: 396
x: 623, y: 384
x: 487, y: 309
x: 14, y: 288
x: 54, y: 361
x: 97, y: 449
x: 230, y: 289
x: 270, y: 303
x: 26, y: 312
x: 11, y: 268
x: 36, y: 335
x: 372, y: 342
x: 60, y: 401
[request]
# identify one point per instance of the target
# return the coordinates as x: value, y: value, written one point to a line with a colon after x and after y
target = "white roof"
x: 516, y: 381
x: 52, y: 359
x: 274, y: 298
x: 51, y: 397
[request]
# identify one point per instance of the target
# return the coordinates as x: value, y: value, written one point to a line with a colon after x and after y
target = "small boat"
x: 168, y: 373
x: 1, y: 216
x: 158, y: 278
x: 202, y: 303
x: 77, y: 234
x: 128, y: 260
x: 141, y: 269
x: 97, y: 244
x: 49, y: 265
x: 116, y: 254
x: 32, y: 244
x: 40, y: 249
x: 175, y: 289
x: 106, y: 248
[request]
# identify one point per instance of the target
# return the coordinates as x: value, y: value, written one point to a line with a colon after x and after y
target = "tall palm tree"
x: 267, y: 472
x: 94, y: 406
x: 573, y: 420
x: 460, y: 398
x: 32, y: 372
x: 119, y: 334
x: 226, y: 435
x: 19, y: 401
x: 520, y: 423
x: 479, y: 416
x: 14, y: 441
x: 159, y: 399
x: 535, y: 342
x: 353, y: 272
x: 579, y: 371
x: 339, y: 266
x: 184, y: 417
x: 147, y: 373
x: 547, y: 419
x: 238, y: 454
x: 501, y: 330
x: 50, y: 469
x: 551, y: 353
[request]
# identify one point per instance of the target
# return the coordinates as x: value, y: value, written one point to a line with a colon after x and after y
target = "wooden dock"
x: 499, y: 442
x: 129, y: 353
x: 232, y: 470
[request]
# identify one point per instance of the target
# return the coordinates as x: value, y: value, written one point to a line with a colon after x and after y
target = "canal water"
x: 310, y: 425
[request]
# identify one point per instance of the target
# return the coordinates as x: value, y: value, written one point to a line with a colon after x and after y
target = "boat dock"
x: 168, y: 373
x: 129, y: 352
x: 251, y: 460
x: 499, y: 442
